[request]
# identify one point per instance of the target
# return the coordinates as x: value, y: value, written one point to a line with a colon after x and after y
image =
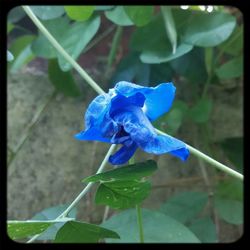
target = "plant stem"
x: 61, y: 50
x: 84, y: 191
x: 139, y: 221
x: 211, y: 161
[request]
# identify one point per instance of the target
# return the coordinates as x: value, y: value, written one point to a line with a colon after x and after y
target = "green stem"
x: 114, y: 46
x: 61, y: 50
x: 139, y: 221
x: 84, y: 191
x: 210, y: 160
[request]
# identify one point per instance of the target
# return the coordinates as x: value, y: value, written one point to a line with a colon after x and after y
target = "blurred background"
x: 198, y: 48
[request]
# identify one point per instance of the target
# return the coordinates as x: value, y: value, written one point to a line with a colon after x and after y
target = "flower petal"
x: 123, y: 154
x: 162, y: 144
x: 92, y: 134
x: 158, y: 99
x: 97, y: 110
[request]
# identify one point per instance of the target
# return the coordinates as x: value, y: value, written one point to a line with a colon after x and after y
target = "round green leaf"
x: 63, y: 81
x: 139, y: 15
x: 79, y: 13
x: 118, y: 16
x: 185, y: 206
x: 157, y: 228
x: 204, y: 229
x: 16, y: 14
x: 230, y: 210
x: 160, y: 56
x: 122, y: 194
x: 208, y: 29
x: 21, y: 50
x: 79, y: 232
x: 230, y: 69
x: 47, y: 12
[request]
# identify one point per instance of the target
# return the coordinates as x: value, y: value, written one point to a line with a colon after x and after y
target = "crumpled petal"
x: 141, y: 131
x: 92, y: 134
x: 97, y: 110
x: 123, y: 154
x: 158, y: 99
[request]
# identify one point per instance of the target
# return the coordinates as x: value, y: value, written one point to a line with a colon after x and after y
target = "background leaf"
x: 51, y: 214
x: 229, y: 210
x: 233, y: 148
x: 23, y: 229
x: 63, y: 81
x: 201, y: 111
x: 208, y: 29
x: 185, y: 206
x: 16, y: 14
x: 10, y: 57
x: 139, y: 15
x: 118, y: 16
x: 170, y: 26
x: 157, y: 228
x: 230, y: 69
x: 47, y: 12
x: 78, y: 232
x: 79, y: 13
x: 21, y: 50
x: 204, y: 229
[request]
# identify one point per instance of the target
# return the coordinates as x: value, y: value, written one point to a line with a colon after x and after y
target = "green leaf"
x: 10, y: 57
x: 209, y: 59
x: 164, y: 55
x: 10, y: 27
x: 171, y: 121
x: 130, y: 172
x: 23, y: 229
x: 230, y: 189
x: 170, y: 26
x: 208, y: 29
x: 58, y: 28
x: 118, y: 16
x: 185, y: 206
x: 72, y: 37
x: 104, y: 7
x: 16, y: 14
x: 233, y: 148
x: 122, y: 194
x: 204, y: 229
x: 191, y: 66
x: 21, y: 50
x: 47, y: 12
x: 229, y: 210
x: 51, y: 214
x: 79, y: 13
x: 78, y: 232
x: 230, y: 69
x: 76, y: 39
x: 63, y: 81
x: 201, y: 111
x: 157, y: 228
x: 139, y: 15
x: 233, y: 45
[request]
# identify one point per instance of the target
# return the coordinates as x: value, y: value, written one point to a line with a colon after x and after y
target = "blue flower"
x: 124, y: 116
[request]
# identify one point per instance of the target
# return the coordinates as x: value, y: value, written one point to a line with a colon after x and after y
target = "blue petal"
x: 97, y: 111
x: 92, y: 134
x: 162, y: 144
x: 158, y: 99
x: 119, y: 102
x: 123, y: 154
